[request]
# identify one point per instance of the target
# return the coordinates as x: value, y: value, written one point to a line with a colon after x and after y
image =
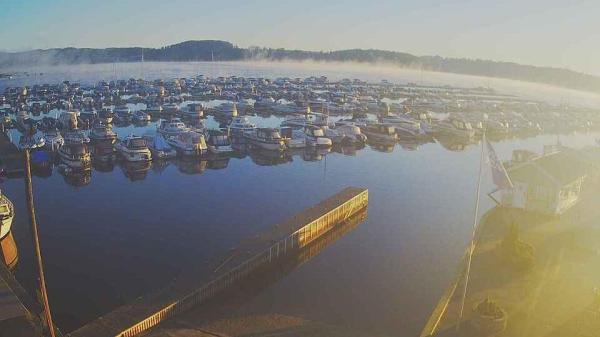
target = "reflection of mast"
x: 36, y: 239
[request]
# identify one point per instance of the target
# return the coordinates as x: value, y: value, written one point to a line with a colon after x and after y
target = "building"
x: 549, y: 184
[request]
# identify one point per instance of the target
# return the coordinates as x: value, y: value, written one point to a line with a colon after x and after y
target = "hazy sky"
x: 561, y: 33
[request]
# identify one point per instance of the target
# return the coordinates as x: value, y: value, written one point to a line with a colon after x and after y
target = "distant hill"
x: 208, y: 50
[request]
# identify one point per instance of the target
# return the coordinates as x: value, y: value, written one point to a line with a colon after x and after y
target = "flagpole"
x: 472, y: 243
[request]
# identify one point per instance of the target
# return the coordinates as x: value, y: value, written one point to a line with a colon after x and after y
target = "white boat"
x: 134, y: 148
x: 218, y: 142
x: 54, y: 140
x: 170, y: 108
x: 75, y: 136
x: 226, y: 110
x: 76, y: 156
x: 68, y: 119
x: 300, y: 121
x: 266, y: 138
x: 154, y: 109
x: 455, y: 128
x: 141, y: 117
x: 315, y: 137
x: 189, y: 143
x: 101, y: 132
x: 294, y: 138
x: 172, y: 127
x: 7, y: 213
x: 159, y: 147
x: 380, y: 132
x: 404, y: 126
x: 345, y: 134
x: 239, y: 125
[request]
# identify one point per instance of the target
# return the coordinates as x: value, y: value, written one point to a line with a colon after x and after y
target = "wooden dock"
x: 283, y: 240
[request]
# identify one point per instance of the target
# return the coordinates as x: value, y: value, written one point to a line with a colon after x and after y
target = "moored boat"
x: 133, y: 148
x: 266, y: 138
x: 7, y: 213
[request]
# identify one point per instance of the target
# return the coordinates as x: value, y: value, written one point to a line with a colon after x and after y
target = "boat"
x: 133, y: 148
x: 172, y: 127
x: 226, y: 111
x: 141, y: 117
x: 170, y: 108
x: 75, y: 136
x: 455, y: 128
x: 89, y: 115
x: 154, y: 109
x: 264, y: 104
x: 159, y: 147
x: 76, y: 156
x: 315, y: 137
x: 69, y: 119
x: 106, y: 115
x: 194, y: 110
x: 122, y: 111
x: 103, y: 151
x: 239, y: 125
x: 7, y: 214
x: 380, y: 132
x: 54, y: 140
x: 404, y: 126
x: 294, y: 138
x: 189, y: 143
x: 266, y: 138
x: 218, y: 142
x: 31, y: 142
x: 345, y: 133
x: 103, y: 133
x: 300, y: 121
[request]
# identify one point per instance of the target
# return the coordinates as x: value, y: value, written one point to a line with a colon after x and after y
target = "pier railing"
x: 291, y: 243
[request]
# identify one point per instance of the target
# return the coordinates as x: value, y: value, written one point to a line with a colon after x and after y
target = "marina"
x: 176, y: 216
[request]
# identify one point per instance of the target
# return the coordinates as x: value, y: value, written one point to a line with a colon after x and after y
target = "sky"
x: 557, y: 33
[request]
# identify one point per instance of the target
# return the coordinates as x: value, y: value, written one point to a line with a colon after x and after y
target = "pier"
x: 289, y: 238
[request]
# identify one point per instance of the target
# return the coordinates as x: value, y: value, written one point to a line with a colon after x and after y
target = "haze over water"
x: 115, y: 239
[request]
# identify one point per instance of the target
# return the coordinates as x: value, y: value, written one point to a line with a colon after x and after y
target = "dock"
x: 288, y: 238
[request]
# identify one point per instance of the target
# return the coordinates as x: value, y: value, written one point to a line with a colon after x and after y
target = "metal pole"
x: 472, y: 243
x: 36, y: 239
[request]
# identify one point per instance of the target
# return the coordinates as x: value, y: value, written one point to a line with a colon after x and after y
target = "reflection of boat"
x: 269, y: 158
x: 75, y: 177
x: 315, y: 154
x: 10, y: 254
x: 382, y: 146
x: 159, y: 147
x: 453, y: 143
x: 76, y: 156
x: 103, y: 151
x: 189, y: 143
x: 191, y: 165
x: 218, y: 142
x: 266, y: 138
x: 54, y: 140
x: 218, y: 163
x: 7, y: 213
x: 136, y: 170
x: 134, y: 148
x: 31, y: 142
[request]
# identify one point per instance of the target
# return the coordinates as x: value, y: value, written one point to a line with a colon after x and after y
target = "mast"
x: 142, y: 63
x: 472, y: 243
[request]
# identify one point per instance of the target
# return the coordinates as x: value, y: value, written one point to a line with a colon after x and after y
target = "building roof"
x: 560, y: 168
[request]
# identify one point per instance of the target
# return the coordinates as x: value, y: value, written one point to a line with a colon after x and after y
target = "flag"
x: 499, y: 174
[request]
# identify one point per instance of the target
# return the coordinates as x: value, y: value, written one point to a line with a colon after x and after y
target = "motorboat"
x: 315, y: 137
x: 7, y: 214
x: 141, y: 117
x: 380, y: 132
x: 69, y: 119
x: 172, y: 127
x: 106, y: 115
x: 300, y: 121
x: 154, y: 109
x: 159, y: 147
x: 189, y: 143
x: 103, y: 133
x: 455, y: 128
x: 226, y: 111
x: 266, y: 138
x: 122, y: 111
x: 218, y: 142
x: 134, y: 148
x: 294, y: 138
x: 76, y: 156
x: 239, y: 125
x: 265, y: 104
x: 345, y: 134
x: 75, y: 136
x: 54, y: 140
x: 170, y: 108
x: 404, y: 126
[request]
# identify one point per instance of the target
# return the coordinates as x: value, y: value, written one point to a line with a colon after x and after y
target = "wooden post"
x: 36, y: 239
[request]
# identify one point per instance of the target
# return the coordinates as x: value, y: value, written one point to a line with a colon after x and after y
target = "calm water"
x: 117, y: 238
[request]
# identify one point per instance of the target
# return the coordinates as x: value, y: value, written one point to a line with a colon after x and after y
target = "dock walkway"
x: 283, y: 239
x: 16, y: 319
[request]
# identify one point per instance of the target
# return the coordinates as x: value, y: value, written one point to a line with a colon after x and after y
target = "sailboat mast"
x: 472, y: 243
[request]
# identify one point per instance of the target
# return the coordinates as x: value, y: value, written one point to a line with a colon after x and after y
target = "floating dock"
x: 283, y: 240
